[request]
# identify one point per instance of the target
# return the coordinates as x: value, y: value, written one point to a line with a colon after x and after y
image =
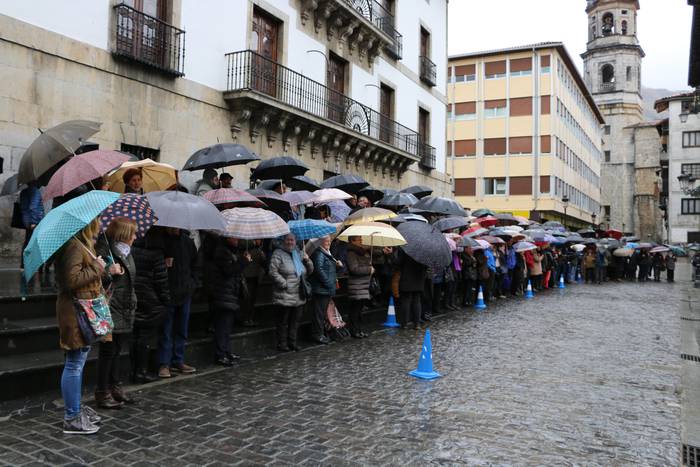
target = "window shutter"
x: 545, y: 144
x: 496, y: 68
x: 495, y: 104
x: 520, y: 145
x: 465, y: 147
x: 462, y: 108
x: 545, y: 60
x: 521, y: 106
x: 494, y: 146
x: 545, y: 105
x: 520, y: 185
x: 465, y: 186
x: 521, y: 64
x: 465, y: 70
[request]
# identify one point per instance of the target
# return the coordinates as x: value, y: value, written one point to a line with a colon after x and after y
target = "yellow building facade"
x: 523, y: 134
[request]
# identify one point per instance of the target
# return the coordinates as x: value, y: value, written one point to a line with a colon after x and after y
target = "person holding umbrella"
x: 225, y: 179
x: 323, y: 285
x: 469, y: 276
x: 408, y: 285
x: 208, y: 182
x: 360, y: 272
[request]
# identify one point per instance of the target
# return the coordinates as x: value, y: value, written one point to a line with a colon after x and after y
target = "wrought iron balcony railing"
x: 148, y: 40
x: 374, y: 12
x: 427, y: 156
x: 428, y: 71
x: 395, y: 49
x: 250, y: 71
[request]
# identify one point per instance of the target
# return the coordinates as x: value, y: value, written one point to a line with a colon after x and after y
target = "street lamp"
x: 565, y: 204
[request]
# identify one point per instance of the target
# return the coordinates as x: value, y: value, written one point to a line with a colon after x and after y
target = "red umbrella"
x: 616, y: 234
x: 228, y: 198
x: 82, y: 169
x: 487, y: 221
x: 474, y: 232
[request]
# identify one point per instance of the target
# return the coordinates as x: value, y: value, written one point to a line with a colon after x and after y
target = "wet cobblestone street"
x: 586, y: 376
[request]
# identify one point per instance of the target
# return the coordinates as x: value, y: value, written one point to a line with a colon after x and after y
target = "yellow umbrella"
x: 373, y: 234
x: 369, y: 215
x: 156, y: 176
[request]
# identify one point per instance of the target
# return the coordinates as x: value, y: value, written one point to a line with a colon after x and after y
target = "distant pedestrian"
x: 32, y: 210
x: 658, y: 264
x: 670, y: 267
x: 360, y: 272
x: 225, y: 180
x: 408, y: 284
x: 323, y: 284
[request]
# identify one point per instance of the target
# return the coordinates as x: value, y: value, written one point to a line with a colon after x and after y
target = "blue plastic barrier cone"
x: 425, y: 362
x: 480, y: 305
x: 561, y: 282
x: 391, y: 315
x: 528, y: 291
x: 579, y: 276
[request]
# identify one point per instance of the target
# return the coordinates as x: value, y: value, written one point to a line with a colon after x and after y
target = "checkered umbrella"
x: 311, y: 228
x: 253, y: 224
x: 131, y: 206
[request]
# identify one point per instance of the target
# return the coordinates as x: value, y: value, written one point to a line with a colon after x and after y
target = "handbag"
x: 374, y: 287
x: 304, y: 288
x: 94, y: 318
x: 17, y: 222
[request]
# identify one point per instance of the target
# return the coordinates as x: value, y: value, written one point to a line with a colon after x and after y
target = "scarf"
x: 122, y: 248
x: 298, y: 265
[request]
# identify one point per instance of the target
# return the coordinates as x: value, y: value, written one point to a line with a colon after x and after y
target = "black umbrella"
x: 506, y: 219
x: 348, y: 183
x: 218, y: 156
x: 439, y: 205
x: 398, y: 199
x: 483, y: 213
x: 498, y: 232
x: 630, y: 239
x: 425, y: 244
x: 371, y: 193
x: 268, y: 184
x: 470, y: 243
x: 419, y: 191
x: 450, y: 223
x: 389, y: 191
x: 587, y: 233
x: 273, y: 199
x: 406, y: 217
x: 303, y: 183
x: 281, y: 168
x: 11, y: 187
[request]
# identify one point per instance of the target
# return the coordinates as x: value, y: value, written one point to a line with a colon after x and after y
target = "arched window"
x: 608, y: 73
x: 624, y: 28
x: 608, y: 24
x: 629, y: 73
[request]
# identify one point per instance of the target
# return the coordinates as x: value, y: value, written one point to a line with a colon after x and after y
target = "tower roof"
x: 592, y: 4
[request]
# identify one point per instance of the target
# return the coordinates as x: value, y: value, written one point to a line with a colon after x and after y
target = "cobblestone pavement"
x: 586, y: 376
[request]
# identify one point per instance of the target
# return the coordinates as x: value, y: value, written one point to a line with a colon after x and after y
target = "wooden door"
x: 265, y: 42
x: 424, y: 43
x: 146, y: 35
x: 423, y: 126
x: 386, y: 111
x: 335, y: 82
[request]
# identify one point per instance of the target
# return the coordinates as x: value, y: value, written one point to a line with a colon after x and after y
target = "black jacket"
x: 122, y: 304
x: 413, y: 274
x: 151, y: 285
x: 223, y: 273
x: 182, y: 276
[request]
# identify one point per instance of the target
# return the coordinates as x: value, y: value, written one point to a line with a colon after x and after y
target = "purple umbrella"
x: 131, y: 206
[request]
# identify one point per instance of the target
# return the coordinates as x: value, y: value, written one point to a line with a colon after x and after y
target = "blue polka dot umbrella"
x: 131, y: 206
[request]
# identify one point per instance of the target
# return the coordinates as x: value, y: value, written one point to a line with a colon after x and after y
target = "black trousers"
x: 318, y: 315
x: 249, y: 302
x: 438, y: 290
x: 108, y: 361
x: 287, y: 325
x: 410, y: 308
x: 145, y: 339
x: 669, y: 274
x: 223, y: 324
x: 469, y: 291
x: 355, y: 316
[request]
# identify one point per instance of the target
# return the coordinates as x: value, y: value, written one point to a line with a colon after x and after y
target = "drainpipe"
x: 536, y: 101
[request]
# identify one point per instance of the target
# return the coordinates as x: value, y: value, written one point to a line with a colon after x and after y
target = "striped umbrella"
x: 233, y: 198
x: 253, y: 224
x: 131, y: 206
x: 311, y: 228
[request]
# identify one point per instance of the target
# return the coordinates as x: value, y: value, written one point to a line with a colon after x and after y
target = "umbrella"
x: 339, y: 210
x: 578, y: 248
x: 659, y: 249
x: 493, y: 240
x: 54, y: 145
x: 630, y: 239
x: 390, y: 191
x: 616, y: 234
x: 554, y: 225
x: 372, y: 194
x: 373, y: 234
x: 369, y: 215
x: 296, y: 198
x: 451, y: 243
x: 347, y: 183
x: 575, y: 238
x: 524, y: 246
x: 425, y: 244
x: 505, y: 219
x: 269, y: 184
x: 451, y: 223
x: 184, y: 211
x: 11, y: 186
x: 81, y: 169
x: 397, y: 200
x: 406, y: 217
x: 474, y: 232
x: 623, y: 252
x: 471, y: 243
x: 543, y: 238
x: 302, y: 182
x: 643, y: 246
x: 253, y: 224
x: 155, y: 175
x: 483, y: 212
x: 483, y: 244
x: 487, y: 221
x: 586, y: 241
x: 279, y: 168
x: 330, y: 194
x: 311, y: 228
x: 610, y: 243
x: 274, y: 200
x: 676, y: 250
x: 419, y: 191
x: 521, y: 220
x: 439, y: 205
x: 218, y: 156
x: 60, y: 224
x: 230, y: 197
x: 499, y: 232
x: 131, y: 206
x: 588, y: 233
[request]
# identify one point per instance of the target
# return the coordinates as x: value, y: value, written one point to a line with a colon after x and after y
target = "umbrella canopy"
x: 54, y: 145
x: 575, y: 238
x: 390, y: 191
x: 371, y: 193
x: 81, y: 169
x: 483, y: 212
x: 439, y: 205
x: 419, y: 191
x: 406, y: 217
x: 524, y: 246
x: 487, y: 221
x: 373, y: 234
x: 578, y: 248
x: 483, y: 244
x: 268, y: 184
x: 543, y: 238
x: 616, y: 234
x: 330, y: 194
x: 60, y: 224
x: 398, y: 200
x: 230, y: 197
x: 609, y: 243
x: 643, y: 246
x: 302, y: 182
x: 280, y: 168
x: 554, y: 225
x: 218, y: 156
x: 493, y: 240
x: 506, y: 219
x: 253, y: 224
x: 503, y: 233
x: 471, y: 243
x: 184, y: 211
x: 451, y: 223
x: 296, y: 198
x: 425, y: 244
x: 659, y: 249
x: 134, y: 207
x: 311, y: 228
x: 587, y: 233
x: 347, y: 183
x: 521, y: 220
x: 339, y: 210
x: 474, y: 232
x: 630, y: 239
x: 11, y: 186
x: 676, y: 250
x: 155, y: 175
x: 369, y: 215
x: 272, y: 199
x: 623, y: 252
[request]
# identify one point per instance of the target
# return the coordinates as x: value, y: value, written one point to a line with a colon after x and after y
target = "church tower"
x: 613, y: 75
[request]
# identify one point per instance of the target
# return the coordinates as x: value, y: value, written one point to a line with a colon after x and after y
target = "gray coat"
x: 285, y: 280
x: 359, y: 269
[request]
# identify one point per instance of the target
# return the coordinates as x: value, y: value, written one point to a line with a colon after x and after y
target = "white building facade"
x: 348, y: 86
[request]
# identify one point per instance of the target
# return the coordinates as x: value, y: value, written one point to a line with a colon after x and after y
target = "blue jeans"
x: 171, y: 350
x: 72, y: 381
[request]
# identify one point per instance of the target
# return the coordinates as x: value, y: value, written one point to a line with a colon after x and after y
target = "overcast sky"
x: 663, y: 30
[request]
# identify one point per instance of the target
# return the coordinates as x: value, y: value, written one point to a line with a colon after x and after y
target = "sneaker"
x: 164, y: 372
x: 183, y: 368
x: 91, y: 414
x: 79, y: 425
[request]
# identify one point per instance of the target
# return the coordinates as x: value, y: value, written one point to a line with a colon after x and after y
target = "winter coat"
x: 412, y: 274
x: 224, y: 276
x: 671, y: 262
x: 324, y: 278
x: 78, y: 275
x: 359, y: 273
x: 285, y: 279
x: 257, y: 267
x: 536, y: 269
x: 122, y: 304
x: 589, y: 260
x: 202, y: 187
x: 151, y: 285
x: 31, y: 206
x: 469, y: 267
x: 182, y: 275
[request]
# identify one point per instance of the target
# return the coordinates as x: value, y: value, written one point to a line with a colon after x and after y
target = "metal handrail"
x: 428, y: 70
x: 374, y: 12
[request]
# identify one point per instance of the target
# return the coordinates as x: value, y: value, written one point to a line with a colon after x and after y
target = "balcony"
x: 427, y: 156
x: 270, y: 97
x: 394, y: 49
x: 428, y: 71
x: 147, y: 40
x: 607, y: 87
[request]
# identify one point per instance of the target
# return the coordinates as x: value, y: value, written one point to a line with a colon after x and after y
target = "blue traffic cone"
x: 528, y: 291
x: 579, y: 276
x: 425, y: 362
x: 561, y: 282
x: 391, y: 315
x: 480, y: 305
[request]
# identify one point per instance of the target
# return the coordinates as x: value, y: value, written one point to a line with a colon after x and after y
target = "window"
x: 494, y: 70
x: 141, y: 152
x: 386, y: 113
x: 690, y: 206
x: 629, y: 74
x: 465, y: 73
x: 465, y: 111
x: 607, y: 156
x: 494, y: 186
x: 691, y: 169
x: 521, y: 67
x: 624, y: 28
x: 494, y: 146
x: 521, y: 106
x: 465, y: 186
x: 545, y: 64
x: 607, y: 129
x: 520, y: 145
x: 608, y: 24
x: 691, y: 139
x: 608, y: 72
x: 520, y: 186
x: 495, y: 108
x: 465, y: 147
